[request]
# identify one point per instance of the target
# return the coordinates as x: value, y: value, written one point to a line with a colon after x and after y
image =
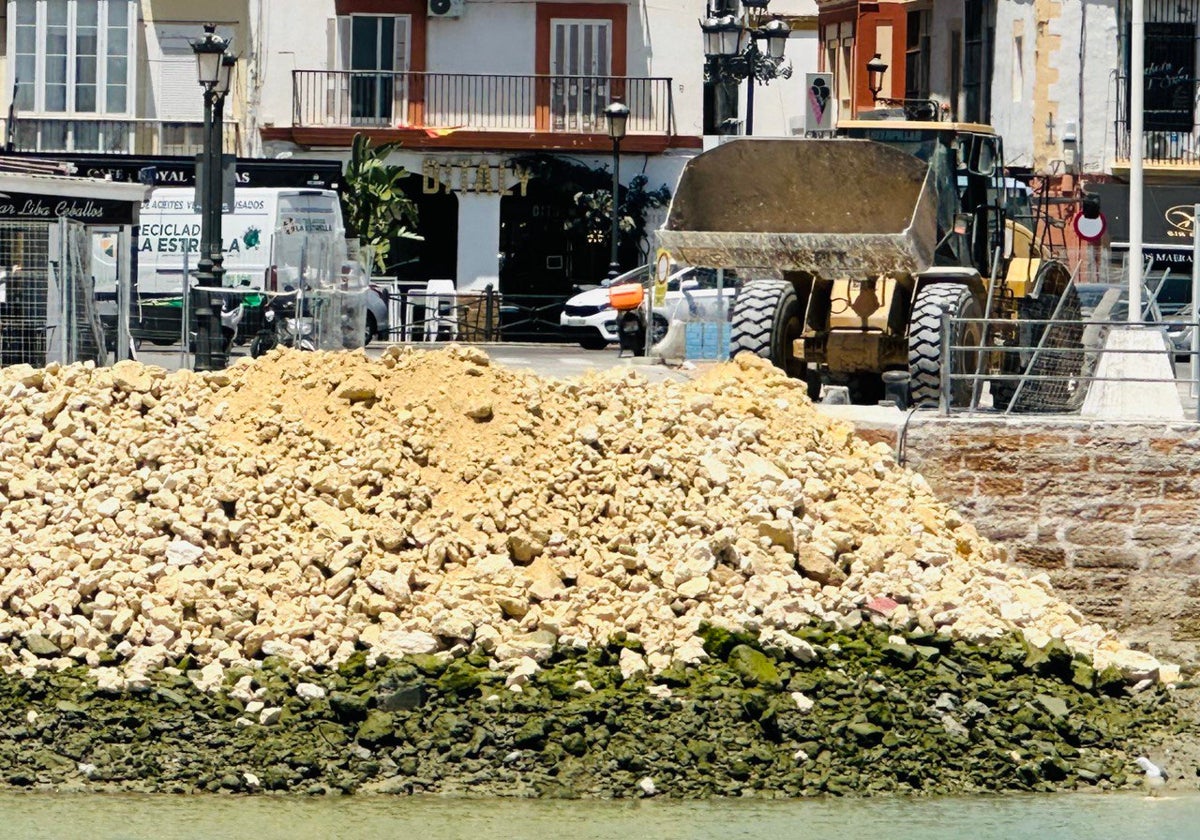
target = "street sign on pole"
x: 662, y: 273
x: 1090, y: 230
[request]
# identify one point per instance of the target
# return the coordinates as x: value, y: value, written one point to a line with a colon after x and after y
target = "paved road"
x: 561, y: 361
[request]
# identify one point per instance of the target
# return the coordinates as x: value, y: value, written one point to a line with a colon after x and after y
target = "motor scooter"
x: 282, y: 328
x: 231, y: 317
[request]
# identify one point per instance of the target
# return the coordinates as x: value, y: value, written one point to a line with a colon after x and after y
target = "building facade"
x: 115, y: 76
x: 497, y: 106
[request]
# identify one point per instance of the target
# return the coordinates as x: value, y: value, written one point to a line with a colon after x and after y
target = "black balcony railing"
x: 476, y: 102
x: 115, y: 135
x: 1170, y: 135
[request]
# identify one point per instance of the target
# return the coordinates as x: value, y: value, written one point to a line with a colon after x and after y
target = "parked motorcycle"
x: 282, y: 328
x: 231, y: 317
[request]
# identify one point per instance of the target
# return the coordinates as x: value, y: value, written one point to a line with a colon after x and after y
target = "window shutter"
x: 401, y: 63
x: 337, y: 83
x: 177, y: 94
x: 337, y: 31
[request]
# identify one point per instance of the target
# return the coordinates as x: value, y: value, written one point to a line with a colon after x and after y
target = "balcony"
x: 1170, y: 137
x: 462, y: 110
x: 113, y: 135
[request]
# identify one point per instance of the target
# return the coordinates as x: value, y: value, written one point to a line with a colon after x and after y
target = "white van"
x: 266, y: 241
x: 263, y: 230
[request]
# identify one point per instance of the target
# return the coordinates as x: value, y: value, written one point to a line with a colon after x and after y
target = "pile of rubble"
x: 305, y: 505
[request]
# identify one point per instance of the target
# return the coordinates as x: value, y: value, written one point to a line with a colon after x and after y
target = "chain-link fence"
x: 47, y: 302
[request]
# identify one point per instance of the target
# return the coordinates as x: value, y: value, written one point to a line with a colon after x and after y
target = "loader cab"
x: 980, y: 167
x: 966, y: 162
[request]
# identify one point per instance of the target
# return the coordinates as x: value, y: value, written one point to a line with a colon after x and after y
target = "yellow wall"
x: 1047, y: 56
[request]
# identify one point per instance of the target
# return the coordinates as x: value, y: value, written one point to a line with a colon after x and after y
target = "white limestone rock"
x: 632, y: 664
x: 309, y: 692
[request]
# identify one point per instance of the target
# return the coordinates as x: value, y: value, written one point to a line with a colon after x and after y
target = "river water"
x: 1062, y: 817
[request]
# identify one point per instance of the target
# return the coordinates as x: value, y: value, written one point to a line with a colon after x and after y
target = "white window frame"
x: 39, y: 82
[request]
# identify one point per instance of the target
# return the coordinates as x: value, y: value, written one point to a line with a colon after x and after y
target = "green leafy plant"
x: 589, y: 209
x: 374, y: 205
x: 593, y: 212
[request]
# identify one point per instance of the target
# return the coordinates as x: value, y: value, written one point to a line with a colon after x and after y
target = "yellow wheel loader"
x: 875, y: 234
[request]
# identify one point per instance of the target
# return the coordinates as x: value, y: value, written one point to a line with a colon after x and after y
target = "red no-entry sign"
x: 1089, y: 230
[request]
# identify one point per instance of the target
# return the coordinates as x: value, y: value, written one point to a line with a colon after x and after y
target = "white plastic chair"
x: 441, y: 310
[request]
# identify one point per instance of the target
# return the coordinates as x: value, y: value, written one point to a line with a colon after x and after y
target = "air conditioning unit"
x: 446, y: 8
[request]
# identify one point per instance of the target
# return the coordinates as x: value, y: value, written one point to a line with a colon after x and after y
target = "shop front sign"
x: 468, y: 176
x: 92, y: 211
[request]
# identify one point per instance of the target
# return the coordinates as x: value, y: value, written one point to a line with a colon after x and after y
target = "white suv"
x: 692, y: 295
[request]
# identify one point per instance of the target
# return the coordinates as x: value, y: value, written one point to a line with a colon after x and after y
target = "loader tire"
x: 925, y: 342
x: 766, y: 319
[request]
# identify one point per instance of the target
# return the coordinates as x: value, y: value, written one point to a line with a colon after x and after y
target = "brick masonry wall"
x: 1110, y: 511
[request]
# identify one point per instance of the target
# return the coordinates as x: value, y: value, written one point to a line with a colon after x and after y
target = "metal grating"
x: 47, y: 306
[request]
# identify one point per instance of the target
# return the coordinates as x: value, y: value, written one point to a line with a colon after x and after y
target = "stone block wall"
x: 1111, y: 511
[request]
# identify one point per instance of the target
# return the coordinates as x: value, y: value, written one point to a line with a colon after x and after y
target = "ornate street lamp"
x: 732, y: 52
x: 722, y: 36
x: 875, y: 70
x: 775, y: 32
x: 209, y: 50
x: 617, y: 115
x: 217, y: 143
x: 211, y: 74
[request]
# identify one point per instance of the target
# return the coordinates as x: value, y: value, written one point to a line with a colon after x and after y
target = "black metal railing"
x: 115, y: 135
x: 477, y: 102
x: 1168, y: 136
x: 487, y: 315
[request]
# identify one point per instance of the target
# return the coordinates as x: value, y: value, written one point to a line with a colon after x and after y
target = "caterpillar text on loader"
x: 875, y: 234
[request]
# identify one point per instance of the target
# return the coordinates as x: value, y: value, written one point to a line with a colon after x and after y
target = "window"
x: 72, y: 56
x: 916, y: 56
x: 580, y: 51
x: 1018, y: 68
x: 978, y: 31
x: 839, y: 47
x: 374, y: 49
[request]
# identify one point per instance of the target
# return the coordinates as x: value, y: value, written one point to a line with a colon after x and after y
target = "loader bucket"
x: 834, y: 208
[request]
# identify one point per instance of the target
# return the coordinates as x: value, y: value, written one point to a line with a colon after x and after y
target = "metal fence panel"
x: 47, y: 303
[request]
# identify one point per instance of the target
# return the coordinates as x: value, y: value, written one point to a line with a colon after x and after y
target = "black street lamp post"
x: 875, y: 70
x: 210, y: 59
x: 617, y: 114
x: 216, y: 143
x: 731, y: 47
x: 214, y: 205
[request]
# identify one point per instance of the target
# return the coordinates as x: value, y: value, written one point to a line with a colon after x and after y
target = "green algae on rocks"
x: 869, y: 712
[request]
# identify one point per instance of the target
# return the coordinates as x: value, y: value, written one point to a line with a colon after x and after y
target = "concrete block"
x: 1130, y: 357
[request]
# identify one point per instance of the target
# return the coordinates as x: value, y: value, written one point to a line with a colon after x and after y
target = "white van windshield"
x: 308, y: 241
